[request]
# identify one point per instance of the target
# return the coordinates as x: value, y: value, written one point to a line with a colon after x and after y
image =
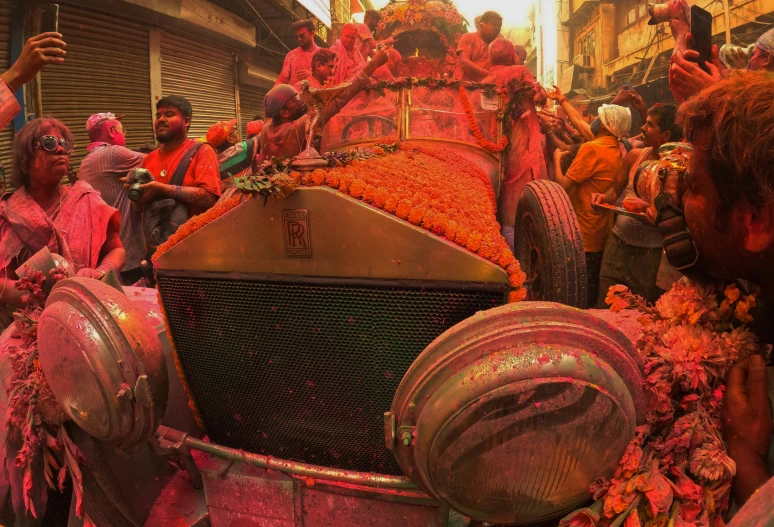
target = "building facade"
x: 124, y: 55
x: 604, y: 44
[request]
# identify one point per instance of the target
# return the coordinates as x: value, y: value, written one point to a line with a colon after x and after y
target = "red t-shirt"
x: 202, y: 172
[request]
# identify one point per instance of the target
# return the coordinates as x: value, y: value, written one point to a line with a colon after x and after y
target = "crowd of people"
x: 726, y: 114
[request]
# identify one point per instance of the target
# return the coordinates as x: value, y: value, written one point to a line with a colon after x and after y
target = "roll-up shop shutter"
x: 203, y: 74
x: 251, y: 104
x: 6, y: 135
x: 107, y: 69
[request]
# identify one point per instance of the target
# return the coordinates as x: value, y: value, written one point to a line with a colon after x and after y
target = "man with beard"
x: 728, y: 206
x: 298, y: 63
x: 200, y: 186
x: 284, y: 135
x: 107, y: 161
x: 632, y: 254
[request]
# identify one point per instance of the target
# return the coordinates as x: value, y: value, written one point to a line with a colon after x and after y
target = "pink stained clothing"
x: 297, y: 66
x: 383, y: 73
x: 76, y: 230
x: 289, y: 139
x: 347, y: 63
x: 9, y: 106
x: 366, y: 43
x: 478, y: 53
x: 313, y: 83
x: 525, y: 156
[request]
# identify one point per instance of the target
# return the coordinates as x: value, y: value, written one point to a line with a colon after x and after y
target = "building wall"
x: 626, y: 43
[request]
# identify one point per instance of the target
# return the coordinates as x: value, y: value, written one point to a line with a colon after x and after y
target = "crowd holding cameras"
x: 708, y: 210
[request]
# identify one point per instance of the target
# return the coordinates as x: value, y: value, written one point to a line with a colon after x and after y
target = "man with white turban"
x: 593, y: 171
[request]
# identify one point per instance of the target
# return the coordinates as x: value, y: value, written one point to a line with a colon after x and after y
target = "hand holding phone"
x: 46, y: 48
x: 701, y: 35
x: 49, y: 19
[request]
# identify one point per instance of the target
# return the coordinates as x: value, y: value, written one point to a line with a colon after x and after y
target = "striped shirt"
x: 102, y: 167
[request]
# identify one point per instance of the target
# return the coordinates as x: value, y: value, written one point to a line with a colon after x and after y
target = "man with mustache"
x: 200, y: 186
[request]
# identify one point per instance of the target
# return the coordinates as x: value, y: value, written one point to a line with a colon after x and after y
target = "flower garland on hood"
x: 433, y: 188
x: 676, y: 470
x: 33, y: 412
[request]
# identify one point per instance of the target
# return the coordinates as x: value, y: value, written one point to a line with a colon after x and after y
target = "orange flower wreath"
x: 480, y: 139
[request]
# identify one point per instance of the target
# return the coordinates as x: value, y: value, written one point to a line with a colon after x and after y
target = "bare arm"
x: 574, y: 115
x: 566, y: 183
x: 357, y: 82
x: 469, y: 67
x: 620, y: 181
x: 195, y: 196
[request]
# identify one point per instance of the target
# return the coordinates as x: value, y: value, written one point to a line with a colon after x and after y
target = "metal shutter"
x: 251, y: 104
x: 203, y: 74
x: 6, y: 135
x: 107, y: 69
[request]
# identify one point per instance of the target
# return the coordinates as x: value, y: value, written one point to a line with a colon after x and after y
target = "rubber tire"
x: 544, y: 207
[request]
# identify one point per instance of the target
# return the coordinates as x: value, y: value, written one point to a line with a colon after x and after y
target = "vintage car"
x: 317, y: 361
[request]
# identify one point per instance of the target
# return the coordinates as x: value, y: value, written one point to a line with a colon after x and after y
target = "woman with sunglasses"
x: 73, y: 222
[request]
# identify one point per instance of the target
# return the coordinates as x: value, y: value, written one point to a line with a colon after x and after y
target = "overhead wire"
x: 252, y: 7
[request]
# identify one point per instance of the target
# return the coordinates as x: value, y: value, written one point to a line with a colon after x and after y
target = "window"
x: 588, y: 44
x: 632, y: 12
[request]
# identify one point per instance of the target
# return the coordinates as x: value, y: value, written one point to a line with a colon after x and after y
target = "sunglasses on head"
x: 50, y: 143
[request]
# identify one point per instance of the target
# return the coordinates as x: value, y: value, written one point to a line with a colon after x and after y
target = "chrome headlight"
x: 103, y: 361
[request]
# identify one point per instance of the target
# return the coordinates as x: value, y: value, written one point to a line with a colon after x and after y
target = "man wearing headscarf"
x: 525, y: 157
x: 349, y: 56
x: 593, y: 171
x: 284, y: 135
x: 763, y: 56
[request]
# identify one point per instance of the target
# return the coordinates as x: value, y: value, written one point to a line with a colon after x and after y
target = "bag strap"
x: 185, y: 162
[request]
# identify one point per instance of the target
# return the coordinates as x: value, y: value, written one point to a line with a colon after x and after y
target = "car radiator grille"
x: 305, y: 371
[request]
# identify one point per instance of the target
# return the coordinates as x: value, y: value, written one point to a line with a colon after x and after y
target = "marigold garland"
x: 480, y: 139
x: 199, y: 221
x: 676, y: 471
x: 432, y: 188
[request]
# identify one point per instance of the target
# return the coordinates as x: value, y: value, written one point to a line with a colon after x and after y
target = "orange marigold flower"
x: 378, y: 150
x: 462, y: 236
x: 369, y: 194
x: 391, y: 204
x: 416, y: 214
x: 345, y: 181
x: 451, y: 230
x: 429, y: 221
x: 297, y: 177
x: 474, y: 242
x: 403, y: 209
x: 318, y: 177
x: 517, y: 295
x: 439, y: 225
x: 357, y: 188
x: 380, y: 199
x: 332, y: 179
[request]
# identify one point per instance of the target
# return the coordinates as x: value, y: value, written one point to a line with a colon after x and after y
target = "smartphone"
x: 49, y: 19
x: 701, y: 34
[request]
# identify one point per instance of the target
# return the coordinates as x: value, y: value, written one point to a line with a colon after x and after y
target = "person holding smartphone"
x: 38, y: 51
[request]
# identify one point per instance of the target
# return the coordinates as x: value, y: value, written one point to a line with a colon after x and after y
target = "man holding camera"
x: 728, y: 210
x: 186, y: 179
x: 107, y: 161
x: 632, y: 254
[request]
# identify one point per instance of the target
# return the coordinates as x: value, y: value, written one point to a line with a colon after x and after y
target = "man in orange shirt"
x: 185, y: 172
x: 200, y: 187
x: 473, y: 49
x: 593, y: 171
